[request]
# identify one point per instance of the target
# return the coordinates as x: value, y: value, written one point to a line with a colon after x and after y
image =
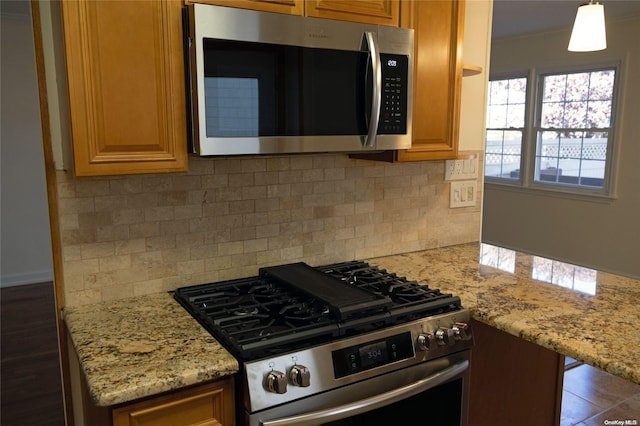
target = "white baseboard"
x: 12, y: 280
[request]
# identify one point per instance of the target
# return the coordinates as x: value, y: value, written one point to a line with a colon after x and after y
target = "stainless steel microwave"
x: 268, y: 83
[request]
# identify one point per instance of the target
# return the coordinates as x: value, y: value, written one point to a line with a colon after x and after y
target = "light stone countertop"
x: 141, y: 346
x: 137, y: 347
x: 588, y: 315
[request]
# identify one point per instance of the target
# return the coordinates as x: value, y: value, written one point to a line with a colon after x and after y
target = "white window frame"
x: 526, y: 181
x: 519, y: 182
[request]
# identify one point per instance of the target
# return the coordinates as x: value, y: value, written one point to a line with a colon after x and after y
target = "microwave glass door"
x: 260, y: 89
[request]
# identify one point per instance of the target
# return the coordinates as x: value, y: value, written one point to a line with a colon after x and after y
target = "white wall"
x: 24, y: 222
x: 600, y: 234
x: 476, y: 51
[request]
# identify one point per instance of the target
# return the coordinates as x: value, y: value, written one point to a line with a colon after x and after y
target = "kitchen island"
x: 134, y: 348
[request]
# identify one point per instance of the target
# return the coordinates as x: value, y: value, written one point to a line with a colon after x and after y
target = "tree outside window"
x: 575, y: 122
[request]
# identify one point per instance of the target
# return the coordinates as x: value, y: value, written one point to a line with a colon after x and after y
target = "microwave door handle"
x: 372, y: 403
x: 376, y: 67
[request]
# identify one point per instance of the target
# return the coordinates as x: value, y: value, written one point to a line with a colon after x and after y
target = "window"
x: 558, y: 136
x: 505, y: 127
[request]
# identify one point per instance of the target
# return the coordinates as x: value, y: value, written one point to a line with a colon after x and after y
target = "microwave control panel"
x: 393, y: 108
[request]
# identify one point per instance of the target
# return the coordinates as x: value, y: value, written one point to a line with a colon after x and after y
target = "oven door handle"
x: 372, y: 403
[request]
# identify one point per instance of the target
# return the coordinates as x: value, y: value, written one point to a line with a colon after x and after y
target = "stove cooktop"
x: 296, y: 306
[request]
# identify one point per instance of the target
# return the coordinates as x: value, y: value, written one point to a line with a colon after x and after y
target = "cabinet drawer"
x: 211, y: 404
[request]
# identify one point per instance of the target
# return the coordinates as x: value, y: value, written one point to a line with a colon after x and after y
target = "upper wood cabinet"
x: 438, y: 36
x: 292, y: 7
x: 438, y: 29
x: 384, y: 12
x: 126, y: 86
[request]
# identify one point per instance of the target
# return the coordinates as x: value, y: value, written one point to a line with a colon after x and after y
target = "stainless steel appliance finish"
x: 330, y: 398
x: 345, y: 343
x: 297, y: 84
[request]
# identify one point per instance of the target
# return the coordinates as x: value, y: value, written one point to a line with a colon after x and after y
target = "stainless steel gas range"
x: 346, y: 343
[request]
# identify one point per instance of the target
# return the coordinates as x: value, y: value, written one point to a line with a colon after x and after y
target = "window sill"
x: 544, y: 190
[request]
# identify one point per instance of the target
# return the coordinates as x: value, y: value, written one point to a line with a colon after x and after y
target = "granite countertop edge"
x: 592, y: 319
x: 141, y: 346
x: 582, y: 351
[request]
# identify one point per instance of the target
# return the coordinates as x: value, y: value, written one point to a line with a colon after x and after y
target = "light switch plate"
x: 463, y: 194
x: 461, y: 169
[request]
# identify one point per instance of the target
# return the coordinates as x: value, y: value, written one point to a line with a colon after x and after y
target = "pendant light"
x: 588, y: 33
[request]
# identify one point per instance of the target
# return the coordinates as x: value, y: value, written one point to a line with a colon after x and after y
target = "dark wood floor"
x: 30, y: 384
x: 31, y: 391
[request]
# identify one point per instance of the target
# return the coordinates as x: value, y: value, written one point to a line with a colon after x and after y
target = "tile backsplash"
x: 132, y: 235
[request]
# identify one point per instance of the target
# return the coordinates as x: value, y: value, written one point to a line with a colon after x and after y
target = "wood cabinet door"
x: 126, y: 86
x: 438, y: 30
x: 207, y: 405
x: 513, y: 381
x: 384, y: 12
x: 291, y: 7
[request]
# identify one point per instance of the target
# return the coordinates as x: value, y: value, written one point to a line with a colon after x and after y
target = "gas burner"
x: 352, y: 278
x: 266, y: 289
x: 304, y: 311
x: 245, y: 311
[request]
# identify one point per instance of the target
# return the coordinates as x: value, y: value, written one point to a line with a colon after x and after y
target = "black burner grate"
x: 411, y: 300
x: 261, y: 316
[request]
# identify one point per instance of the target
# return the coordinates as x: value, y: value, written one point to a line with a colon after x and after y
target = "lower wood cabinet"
x: 513, y: 381
x: 206, y: 405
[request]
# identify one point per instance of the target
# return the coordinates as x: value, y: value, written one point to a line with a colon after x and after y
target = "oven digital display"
x: 355, y: 359
x: 373, y: 354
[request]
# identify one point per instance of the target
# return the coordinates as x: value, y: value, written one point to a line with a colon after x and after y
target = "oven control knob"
x: 299, y: 376
x: 445, y: 336
x: 276, y: 382
x: 461, y: 331
x: 426, y: 342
